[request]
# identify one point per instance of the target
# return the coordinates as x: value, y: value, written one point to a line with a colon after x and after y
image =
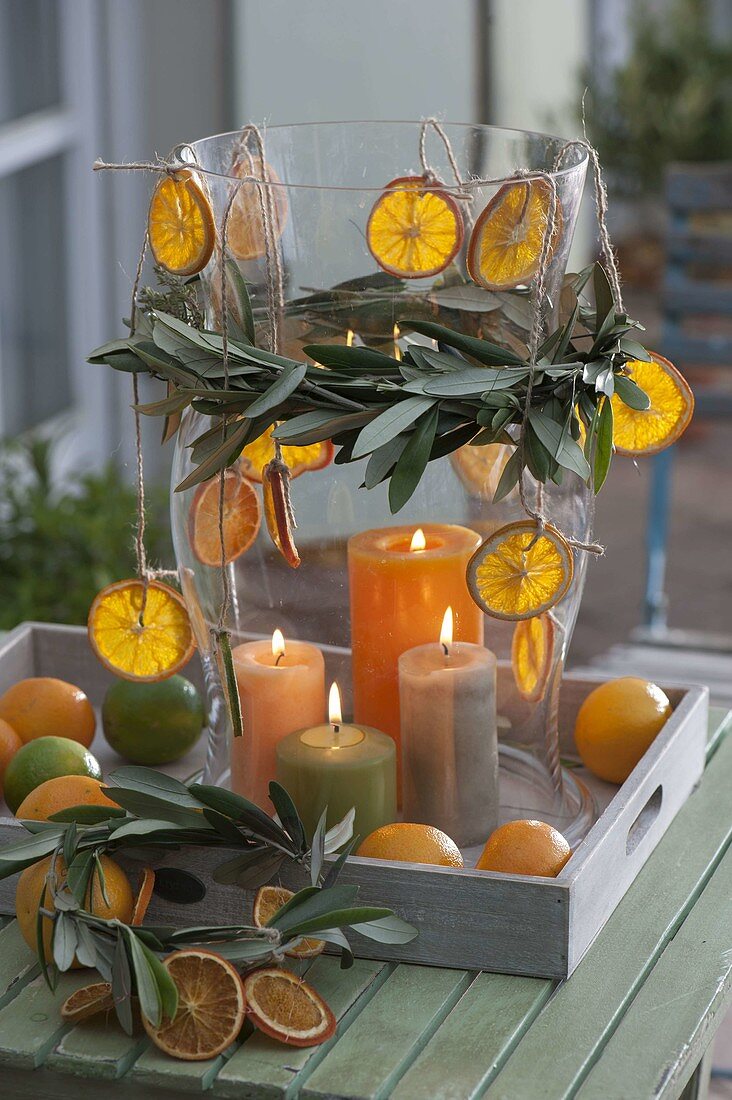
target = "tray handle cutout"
x: 644, y: 820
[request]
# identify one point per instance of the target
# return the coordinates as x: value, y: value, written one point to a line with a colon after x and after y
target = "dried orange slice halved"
x: 506, y: 241
x: 480, y: 468
x: 143, y: 896
x: 520, y: 571
x: 415, y: 228
x: 268, y: 900
x: 151, y: 649
x: 241, y: 519
x: 647, y: 431
x: 277, y: 513
x: 180, y: 224
x: 256, y: 455
x: 211, y: 1006
x: 532, y: 652
x: 287, y: 1008
x: 87, y: 1002
x: 245, y: 235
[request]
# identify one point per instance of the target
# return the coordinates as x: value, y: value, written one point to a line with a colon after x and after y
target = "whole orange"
x: 28, y: 894
x: 410, y: 843
x: 60, y: 794
x: 44, y: 707
x: 9, y: 745
x: 525, y: 848
x: 616, y: 723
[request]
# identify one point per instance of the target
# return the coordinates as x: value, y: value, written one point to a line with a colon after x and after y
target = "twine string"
x: 436, y: 125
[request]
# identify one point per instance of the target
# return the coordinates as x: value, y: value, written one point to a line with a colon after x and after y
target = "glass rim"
x: 466, y: 185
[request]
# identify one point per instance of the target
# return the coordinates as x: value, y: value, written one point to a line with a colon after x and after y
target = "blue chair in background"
x: 696, y: 332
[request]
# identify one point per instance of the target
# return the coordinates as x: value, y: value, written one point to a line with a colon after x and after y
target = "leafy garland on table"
x: 155, y: 809
x: 400, y: 413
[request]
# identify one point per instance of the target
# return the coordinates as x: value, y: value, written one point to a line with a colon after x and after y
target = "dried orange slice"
x: 506, y: 241
x: 287, y: 1008
x: 268, y: 900
x: 180, y: 224
x: 415, y: 229
x: 152, y: 649
x: 87, y: 1002
x: 532, y: 652
x: 256, y: 455
x: 647, y: 431
x: 520, y: 571
x: 277, y: 511
x: 480, y: 468
x: 143, y: 896
x: 245, y: 228
x: 211, y: 1006
x: 241, y: 520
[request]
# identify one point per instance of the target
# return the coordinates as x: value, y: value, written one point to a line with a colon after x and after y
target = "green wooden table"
x: 633, y: 1022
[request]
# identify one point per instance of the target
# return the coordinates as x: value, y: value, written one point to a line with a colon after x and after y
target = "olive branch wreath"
x: 155, y: 809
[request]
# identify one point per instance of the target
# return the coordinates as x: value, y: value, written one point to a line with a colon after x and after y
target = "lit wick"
x: 446, y: 632
x: 278, y: 646
x: 397, y: 349
x: 419, y: 542
x: 349, y: 338
x: 335, y: 715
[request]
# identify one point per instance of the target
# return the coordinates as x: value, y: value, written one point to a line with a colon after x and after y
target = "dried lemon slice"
x: 180, y: 224
x: 242, y: 515
x: 506, y: 241
x: 415, y: 229
x: 647, y: 431
x: 520, y: 571
x: 258, y: 454
x: 151, y: 649
x: 245, y: 233
x: 532, y: 652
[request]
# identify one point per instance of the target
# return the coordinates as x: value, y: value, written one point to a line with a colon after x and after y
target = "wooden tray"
x: 466, y: 919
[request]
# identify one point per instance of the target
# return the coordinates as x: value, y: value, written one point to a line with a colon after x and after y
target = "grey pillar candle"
x: 447, y: 696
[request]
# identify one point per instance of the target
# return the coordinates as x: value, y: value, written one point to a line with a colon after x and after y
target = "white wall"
x: 322, y: 60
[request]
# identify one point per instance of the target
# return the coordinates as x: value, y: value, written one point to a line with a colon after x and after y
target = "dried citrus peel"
x: 415, y: 228
x: 268, y: 901
x: 521, y: 570
x: 506, y: 242
x: 135, y: 643
x: 285, y: 1007
x: 86, y: 1002
x: 278, y: 510
x: 180, y: 224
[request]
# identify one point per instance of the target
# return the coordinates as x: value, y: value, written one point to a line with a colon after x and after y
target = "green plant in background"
x: 671, y: 100
x: 61, y: 543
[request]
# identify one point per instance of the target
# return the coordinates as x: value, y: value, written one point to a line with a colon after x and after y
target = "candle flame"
x: 419, y: 542
x: 335, y: 717
x: 446, y: 632
x: 349, y: 338
x: 278, y: 644
x: 397, y: 349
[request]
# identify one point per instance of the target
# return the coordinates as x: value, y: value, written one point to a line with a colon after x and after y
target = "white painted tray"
x: 466, y: 919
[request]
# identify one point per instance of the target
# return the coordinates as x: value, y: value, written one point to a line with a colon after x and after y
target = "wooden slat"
x: 385, y: 1038
x: 476, y: 1038
x: 18, y: 964
x: 585, y: 1010
x: 97, y: 1048
x: 666, y: 1030
x: 153, y: 1068
x: 265, y: 1068
x: 30, y: 1026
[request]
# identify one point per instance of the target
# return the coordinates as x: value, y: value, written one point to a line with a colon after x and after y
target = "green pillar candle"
x: 340, y: 766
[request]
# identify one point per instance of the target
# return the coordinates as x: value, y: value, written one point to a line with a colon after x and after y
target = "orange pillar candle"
x: 282, y: 689
x: 401, y: 580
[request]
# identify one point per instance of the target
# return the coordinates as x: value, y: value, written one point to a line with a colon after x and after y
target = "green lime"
x: 153, y: 723
x: 42, y: 759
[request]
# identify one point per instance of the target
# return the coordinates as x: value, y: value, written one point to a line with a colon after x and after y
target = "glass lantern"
x: 325, y: 179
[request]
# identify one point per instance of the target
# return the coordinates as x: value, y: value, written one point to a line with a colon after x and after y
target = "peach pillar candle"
x: 282, y: 689
x: 401, y: 580
x: 447, y: 693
